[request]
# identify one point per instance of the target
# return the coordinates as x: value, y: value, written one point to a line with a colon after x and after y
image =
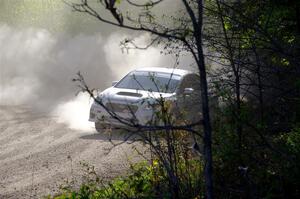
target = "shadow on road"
x: 116, y: 135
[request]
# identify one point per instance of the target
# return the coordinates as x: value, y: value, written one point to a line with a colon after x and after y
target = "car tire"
x: 100, y: 127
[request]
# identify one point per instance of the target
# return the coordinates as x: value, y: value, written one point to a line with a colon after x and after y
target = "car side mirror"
x: 114, y: 83
x: 188, y: 91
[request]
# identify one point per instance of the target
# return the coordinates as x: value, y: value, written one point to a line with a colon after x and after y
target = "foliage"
x: 255, y: 45
x: 144, y: 181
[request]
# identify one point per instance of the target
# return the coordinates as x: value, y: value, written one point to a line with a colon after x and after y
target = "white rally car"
x: 135, y: 96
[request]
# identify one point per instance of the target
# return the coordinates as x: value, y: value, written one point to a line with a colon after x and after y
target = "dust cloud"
x: 36, y: 68
x: 43, y: 44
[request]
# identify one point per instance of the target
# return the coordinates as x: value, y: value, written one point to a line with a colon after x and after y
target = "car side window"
x: 189, y: 81
x: 189, y: 101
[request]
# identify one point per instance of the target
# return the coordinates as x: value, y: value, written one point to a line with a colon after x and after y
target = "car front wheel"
x: 100, y: 127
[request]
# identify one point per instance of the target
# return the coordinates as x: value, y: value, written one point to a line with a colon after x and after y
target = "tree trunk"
x: 208, y: 167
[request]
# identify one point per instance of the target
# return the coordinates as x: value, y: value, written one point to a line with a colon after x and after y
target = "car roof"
x: 175, y: 71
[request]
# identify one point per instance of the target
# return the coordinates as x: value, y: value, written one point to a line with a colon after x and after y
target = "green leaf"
x: 285, y: 62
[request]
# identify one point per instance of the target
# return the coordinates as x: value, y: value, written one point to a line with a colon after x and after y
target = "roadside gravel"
x: 37, y: 154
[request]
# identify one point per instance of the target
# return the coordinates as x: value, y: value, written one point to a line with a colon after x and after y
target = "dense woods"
x: 257, y: 130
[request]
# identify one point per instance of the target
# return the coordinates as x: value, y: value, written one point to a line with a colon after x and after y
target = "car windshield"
x: 150, y: 81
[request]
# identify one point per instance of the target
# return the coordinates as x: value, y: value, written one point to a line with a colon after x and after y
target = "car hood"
x: 131, y: 96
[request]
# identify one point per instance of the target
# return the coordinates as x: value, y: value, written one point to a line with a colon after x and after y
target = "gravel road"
x: 37, y: 154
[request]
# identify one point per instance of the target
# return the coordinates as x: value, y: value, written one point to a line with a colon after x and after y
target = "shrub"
x: 144, y: 181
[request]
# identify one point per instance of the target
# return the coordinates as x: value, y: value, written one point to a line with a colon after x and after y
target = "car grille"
x: 121, y: 108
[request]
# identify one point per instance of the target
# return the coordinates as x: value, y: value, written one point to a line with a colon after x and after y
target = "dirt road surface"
x: 37, y: 154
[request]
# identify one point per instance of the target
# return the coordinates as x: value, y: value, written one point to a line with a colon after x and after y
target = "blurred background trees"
x: 256, y: 47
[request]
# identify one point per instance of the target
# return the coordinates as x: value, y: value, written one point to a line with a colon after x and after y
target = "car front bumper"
x: 100, y: 114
